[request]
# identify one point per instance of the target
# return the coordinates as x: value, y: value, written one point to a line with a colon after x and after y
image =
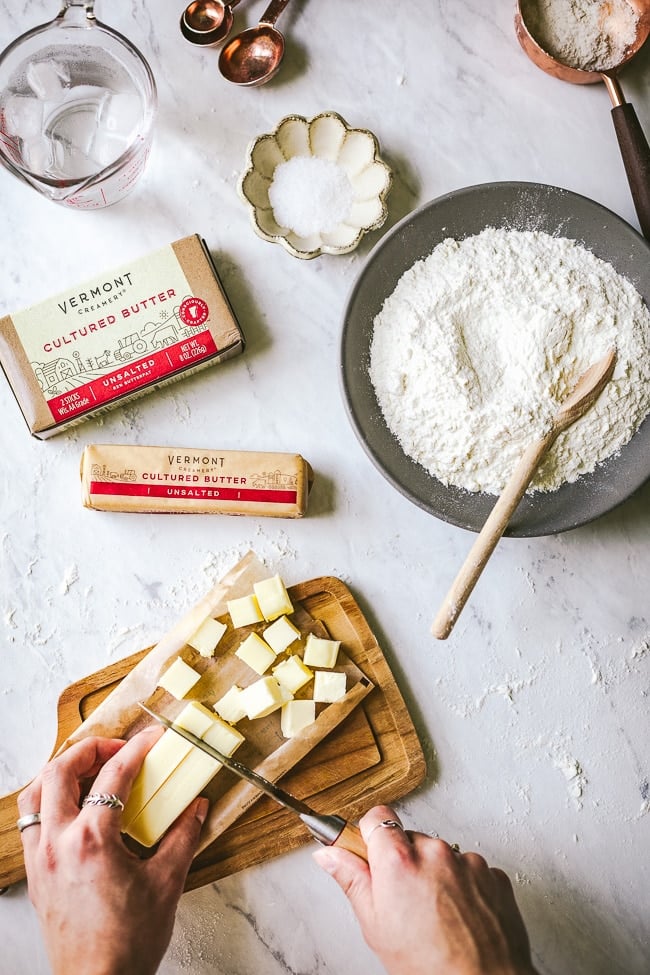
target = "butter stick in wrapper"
x: 180, y: 480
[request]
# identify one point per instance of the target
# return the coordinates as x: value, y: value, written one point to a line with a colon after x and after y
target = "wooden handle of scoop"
x: 488, y: 537
x: 350, y: 838
x: 581, y: 398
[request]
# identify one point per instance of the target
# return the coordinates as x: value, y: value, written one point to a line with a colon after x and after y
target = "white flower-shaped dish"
x: 326, y: 136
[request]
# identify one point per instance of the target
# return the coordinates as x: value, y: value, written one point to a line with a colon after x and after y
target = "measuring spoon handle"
x: 636, y: 159
x: 273, y: 11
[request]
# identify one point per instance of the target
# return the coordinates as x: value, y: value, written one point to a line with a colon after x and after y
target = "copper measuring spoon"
x: 632, y: 142
x: 253, y: 57
x: 207, y: 21
x: 581, y: 398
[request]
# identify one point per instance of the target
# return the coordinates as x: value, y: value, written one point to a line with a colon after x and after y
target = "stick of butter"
x: 179, y: 480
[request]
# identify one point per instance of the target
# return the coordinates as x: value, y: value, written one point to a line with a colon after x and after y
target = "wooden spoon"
x: 580, y: 399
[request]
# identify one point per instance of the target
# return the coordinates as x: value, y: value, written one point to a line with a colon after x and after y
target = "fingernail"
x: 201, y: 810
x: 325, y: 860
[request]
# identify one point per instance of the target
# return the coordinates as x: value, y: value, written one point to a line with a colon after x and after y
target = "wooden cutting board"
x: 373, y: 757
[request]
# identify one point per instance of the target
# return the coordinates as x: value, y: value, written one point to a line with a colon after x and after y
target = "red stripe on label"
x: 131, y: 490
x: 133, y: 375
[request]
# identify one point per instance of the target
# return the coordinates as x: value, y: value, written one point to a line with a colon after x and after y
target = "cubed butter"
x: 207, y: 637
x: 195, y: 718
x: 263, y: 697
x: 292, y: 674
x: 256, y: 653
x: 223, y: 737
x: 329, y: 686
x: 273, y: 598
x: 229, y: 706
x: 179, y: 679
x: 295, y: 716
x: 244, y: 611
x: 320, y: 652
x: 281, y: 634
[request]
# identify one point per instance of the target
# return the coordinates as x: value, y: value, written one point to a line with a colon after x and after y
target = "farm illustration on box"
x: 58, y: 376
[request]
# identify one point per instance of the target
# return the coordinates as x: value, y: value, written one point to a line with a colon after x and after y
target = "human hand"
x: 103, y: 910
x: 425, y: 908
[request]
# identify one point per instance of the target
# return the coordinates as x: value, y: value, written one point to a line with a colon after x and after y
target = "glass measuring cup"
x: 77, y: 104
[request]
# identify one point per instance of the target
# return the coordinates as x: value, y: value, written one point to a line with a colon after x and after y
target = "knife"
x: 327, y: 830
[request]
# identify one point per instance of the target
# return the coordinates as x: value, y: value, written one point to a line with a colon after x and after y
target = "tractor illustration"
x: 129, y: 347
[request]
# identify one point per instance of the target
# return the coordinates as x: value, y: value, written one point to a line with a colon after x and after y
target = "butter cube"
x: 329, y: 686
x: 281, y: 634
x: 320, y: 652
x: 263, y: 697
x: 244, y: 610
x: 223, y: 737
x: 195, y: 718
x: 179, y: 679
x: 207, y: 637
x: 297, y: 715
x: 229, y: 706
x: 292, y: 674
x: 256, y: 653
x: 273, y: 598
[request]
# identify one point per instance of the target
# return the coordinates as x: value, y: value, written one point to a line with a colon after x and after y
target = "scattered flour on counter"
x: 593, y: 35
x: 480, y: 342
x: 574, y: 775
x: 71, y: 576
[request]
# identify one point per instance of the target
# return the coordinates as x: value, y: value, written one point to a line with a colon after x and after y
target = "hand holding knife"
x: 327, y: 830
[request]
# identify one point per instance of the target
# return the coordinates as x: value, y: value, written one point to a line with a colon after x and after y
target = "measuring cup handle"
x: 77, y: 10
x: 636, y: 159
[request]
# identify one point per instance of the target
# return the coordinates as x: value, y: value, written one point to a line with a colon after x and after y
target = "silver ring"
x: 103, y: 799
x: 31, y: 819
x: 386, y: 824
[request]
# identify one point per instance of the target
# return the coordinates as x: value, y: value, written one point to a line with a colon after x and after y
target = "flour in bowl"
x: 480, y: 342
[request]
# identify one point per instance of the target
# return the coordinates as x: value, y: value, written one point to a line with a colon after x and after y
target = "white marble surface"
x: 534, y: 715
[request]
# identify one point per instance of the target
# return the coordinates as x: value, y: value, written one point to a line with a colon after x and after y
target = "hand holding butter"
x: 82, y: 878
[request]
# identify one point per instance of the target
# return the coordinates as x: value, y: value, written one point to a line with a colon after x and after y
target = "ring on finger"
x: 455, y: 847
x: 385, y: 824
x: 30, y: 819
x: 109, y: 799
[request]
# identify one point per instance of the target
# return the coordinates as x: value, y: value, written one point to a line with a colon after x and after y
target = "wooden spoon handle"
x: 488, y: 537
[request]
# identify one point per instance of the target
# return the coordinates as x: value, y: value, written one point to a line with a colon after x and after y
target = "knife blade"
x: 329, y: 830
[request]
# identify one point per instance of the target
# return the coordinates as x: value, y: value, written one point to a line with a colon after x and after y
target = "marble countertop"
x: 534, y: 714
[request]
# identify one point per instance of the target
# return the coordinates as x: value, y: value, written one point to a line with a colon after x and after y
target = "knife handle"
x: 350, y: 838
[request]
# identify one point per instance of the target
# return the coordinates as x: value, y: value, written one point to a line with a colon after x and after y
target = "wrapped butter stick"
x: 186, y: 480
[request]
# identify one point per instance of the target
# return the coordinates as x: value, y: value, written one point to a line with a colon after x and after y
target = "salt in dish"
x: 315, y: 186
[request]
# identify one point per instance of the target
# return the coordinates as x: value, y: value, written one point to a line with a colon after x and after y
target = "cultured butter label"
x: 180, y: 480
x: 118, y: 336
x: 121, y: 331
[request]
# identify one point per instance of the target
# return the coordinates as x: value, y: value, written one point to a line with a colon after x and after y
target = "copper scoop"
x: 207, y: 21
x: 253, y: 57
x: 632, y: 142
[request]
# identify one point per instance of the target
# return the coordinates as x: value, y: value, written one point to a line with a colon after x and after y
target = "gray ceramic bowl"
x: 516, y: 206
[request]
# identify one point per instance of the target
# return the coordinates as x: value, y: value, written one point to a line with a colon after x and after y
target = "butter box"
x: 116, y: 477
x: 127, y: 331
